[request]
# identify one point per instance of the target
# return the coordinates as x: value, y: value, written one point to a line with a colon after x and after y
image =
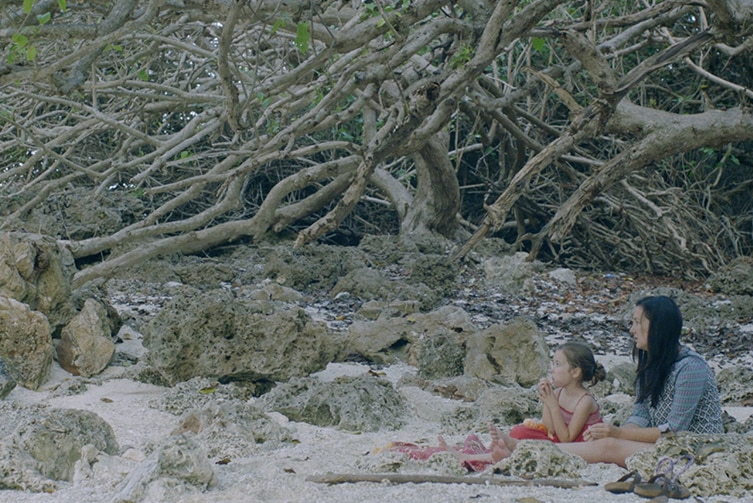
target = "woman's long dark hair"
x: 654, y: 365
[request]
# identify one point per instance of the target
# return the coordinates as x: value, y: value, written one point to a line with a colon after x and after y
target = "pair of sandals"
x: 661, y: 486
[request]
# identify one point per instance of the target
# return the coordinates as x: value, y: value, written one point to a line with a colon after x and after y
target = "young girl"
x: 569, y: 409
x: 572, y: 365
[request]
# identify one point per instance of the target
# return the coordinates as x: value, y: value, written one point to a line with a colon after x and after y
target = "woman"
x: 675, y: 391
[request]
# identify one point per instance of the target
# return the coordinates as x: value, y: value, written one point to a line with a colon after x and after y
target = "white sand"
x: 279, y: 474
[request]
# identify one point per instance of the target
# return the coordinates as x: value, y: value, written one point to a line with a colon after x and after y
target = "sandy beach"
x: 282, y: 473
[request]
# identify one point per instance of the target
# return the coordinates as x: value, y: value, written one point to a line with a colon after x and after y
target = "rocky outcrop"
x: 736, y: 278
x: 47, y: 444
x: 534, y: 459
x: 178, y: 465
x: 397, y: 328
x: 86, y: 346
x: 515, y: 352
x: 721, y: 464
x: 217, y: 335
x: 510, y: 273
x: 7, y: 383
x: 362, y: 403
x: 503, y: 405
x: 37, y: 271
x: 25, y: 343
x: 736, y: 385
x: 37, y: 307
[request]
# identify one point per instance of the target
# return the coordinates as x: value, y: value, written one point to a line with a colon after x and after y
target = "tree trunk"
x: 437, y: 199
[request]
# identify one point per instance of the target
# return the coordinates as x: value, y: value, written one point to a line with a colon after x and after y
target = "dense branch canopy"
x: 612, y: 133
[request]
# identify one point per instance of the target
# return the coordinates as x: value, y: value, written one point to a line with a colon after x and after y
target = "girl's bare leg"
x: 498, y: 436
x: 499, y: 451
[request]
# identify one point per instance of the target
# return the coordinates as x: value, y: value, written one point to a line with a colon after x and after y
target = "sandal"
x: 660, y: 485
x: 664, y: 482
x: 625, y: 484
x: 689, y: 460
x: 656, y: 486
x: 676, y: 490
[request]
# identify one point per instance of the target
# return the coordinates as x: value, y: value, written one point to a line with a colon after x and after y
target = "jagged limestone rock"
x: 179, y: 464
x: 361, y: 403
x: 515, y: 352
x: 503, y: 405
x: 232, y: 429
x: 47, y: 444
x: 25, y: 343
x: 722, y: 464
x: 214, y: 334
x: 735, y: 385
x: 537, y: 459
x: 86, y: 346
x: 37, y: 271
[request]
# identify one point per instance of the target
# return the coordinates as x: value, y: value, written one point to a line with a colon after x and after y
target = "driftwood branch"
x: 407, y: 478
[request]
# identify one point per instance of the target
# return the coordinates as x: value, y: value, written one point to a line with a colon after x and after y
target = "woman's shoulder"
x: 690, y: 359
x: 686, y: 352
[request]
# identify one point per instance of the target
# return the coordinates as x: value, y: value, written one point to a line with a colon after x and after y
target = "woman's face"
x: 639, y: 328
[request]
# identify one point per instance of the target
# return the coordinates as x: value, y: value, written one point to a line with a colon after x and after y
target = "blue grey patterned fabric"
x: 689, y: 402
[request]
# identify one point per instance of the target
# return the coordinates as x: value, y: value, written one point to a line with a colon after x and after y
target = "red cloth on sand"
x: 471, y: 445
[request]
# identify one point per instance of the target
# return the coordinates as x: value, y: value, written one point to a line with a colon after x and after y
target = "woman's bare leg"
x: 605, y: 450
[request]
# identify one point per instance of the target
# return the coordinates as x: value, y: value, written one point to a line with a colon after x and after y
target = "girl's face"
x: 639, y: 328
x: 562, y: 372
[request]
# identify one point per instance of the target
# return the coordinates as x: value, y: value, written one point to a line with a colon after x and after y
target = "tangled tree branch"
x: 556, y: 127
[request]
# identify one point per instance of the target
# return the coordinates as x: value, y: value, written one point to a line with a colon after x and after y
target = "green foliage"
x: 139, y: 192
x: 374, y: 9
x: 723, y: 157
x: 302, y: 37
x: 263, y: 100
x: 280, y: 23
x: 21, y: 48
x: 462, y: 56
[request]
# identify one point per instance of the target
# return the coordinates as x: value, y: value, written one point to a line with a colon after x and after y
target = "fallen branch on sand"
x: 400, y: 478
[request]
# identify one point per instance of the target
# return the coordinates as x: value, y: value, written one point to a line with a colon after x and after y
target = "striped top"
x: 689, y: 401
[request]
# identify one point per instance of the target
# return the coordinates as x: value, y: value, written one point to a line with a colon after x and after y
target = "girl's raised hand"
x: 546, y: 392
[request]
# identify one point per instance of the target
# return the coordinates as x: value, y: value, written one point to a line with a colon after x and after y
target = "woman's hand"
x: 600, y: 430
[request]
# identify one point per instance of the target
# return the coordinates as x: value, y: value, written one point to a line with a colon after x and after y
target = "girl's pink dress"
x: 524, y: 432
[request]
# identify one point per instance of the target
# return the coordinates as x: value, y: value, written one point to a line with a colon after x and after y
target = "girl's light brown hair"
x: 580, y: 356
